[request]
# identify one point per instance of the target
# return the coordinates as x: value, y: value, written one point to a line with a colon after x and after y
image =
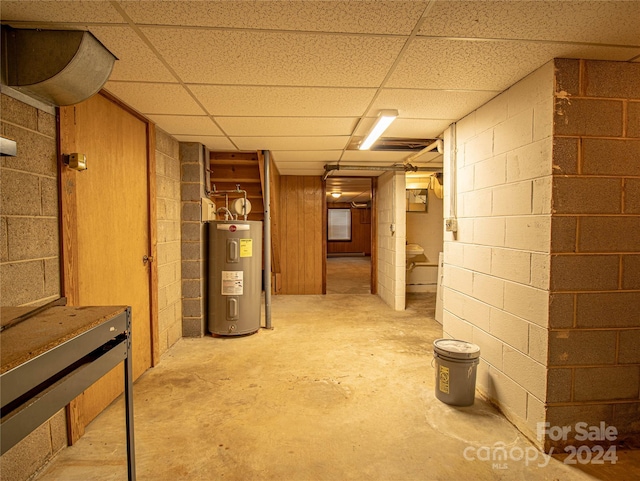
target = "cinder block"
x: 164, y: 187
x: 607, y: 309
x: 488, y: 289
x: 563, y: 234
x: 174, y: 292
x: 527, y: 302
x: 538, y: 349
x: 49, y: 196
x: 513, y: 133
x: 52, y: 284
x: 479, y: 147
x: 541, y: 198
x: 633, y: 119
x: 543, y: 119
x: 490, y: 347
x: 565, y: 156
x: 167, y: 144
x: 567, y: 76
x: 528, y: 233
x: 509, y: 329
x: 20, y: 193
x: 531, y: 161
x: 174, y: 334
x: 612, y: 79
x: 192, y: 288
x: 610, y: 157
x: 510, y: 264
x: 192, y: 173
x: 453, y: 253
x: 632, y: 196
x: 609, y: 234
x: 166, y: 318
x: 192, y: 270
x: 466, y: 128
x: 456, y: 327
x: 559, y: 385
x: 561, y: 310
x: 22, y: 283
x: 592, y: 414
x: 576, y: 195
x: 625, y: 419
x: 32, y: 237
x: 191, y: 211
x: 58, y: 426
x: 582, y: 347
x: 477, y: 203
x: 540, y: 269
x: 489, y: 231
x: 631, y: 272
x: 465, y: 179
x: 167, y: 274
x: 606, y: 383
x: 536, y: 413
x: 584, y: 272
x: 467, y: 308
x: 512, y: 199
x: 193, y: 327
x: 531, y: 90
x: 525, y: 371
x: 36, y: 153
x: 193, y: 308
x: 629, y: 348
x: 477, y: 258
x: 459, y: 279
x: 191, y: 192
x: 190, y: 232
x: 510, y: 396
x: 588, y: 117
x: 46, y: 124
x: 18, y: 112
x: 493, y: 112
x: 191, y: 251
x: 190, y: 152
x: 4, y: 252
x: 29, y: 455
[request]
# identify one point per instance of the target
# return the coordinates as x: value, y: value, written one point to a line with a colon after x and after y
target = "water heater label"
x: 232, y: 283
x: 246, y: 247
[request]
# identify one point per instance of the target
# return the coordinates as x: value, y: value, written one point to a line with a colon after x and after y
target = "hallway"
x: 340, y: 389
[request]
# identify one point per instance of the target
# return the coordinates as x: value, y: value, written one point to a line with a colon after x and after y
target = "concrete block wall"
x: 29, y: 247
x: 594, y: 353
x: 391, y: 239
x: 169, y: 260
x: 496, y: 272
x: 193, y: 165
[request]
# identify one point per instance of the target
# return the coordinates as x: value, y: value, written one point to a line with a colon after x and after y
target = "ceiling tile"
x: 212, y: 143
x: 186, y: 125
x: 283, y: 101
x: 373, y: 16
x: 432, y: 104
x: 431, y: 63
x: 290, y: 143
x: 612, y: 22
x: 286, y: 126
x: 135, y: 61
x: 149, y: 98
x: 322, y: 156
x: 72, y: 11
x: 312, y: 168
x: 274, y: 58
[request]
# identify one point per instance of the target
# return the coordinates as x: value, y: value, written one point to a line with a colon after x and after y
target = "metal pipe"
x: 404, y: 168
x: 267, y: 238
x: 437, y: 144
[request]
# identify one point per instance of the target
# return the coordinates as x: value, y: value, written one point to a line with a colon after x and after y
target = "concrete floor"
x: 341, y: 388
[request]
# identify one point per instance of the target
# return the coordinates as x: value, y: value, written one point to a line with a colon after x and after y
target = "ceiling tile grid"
x: 306, y: 79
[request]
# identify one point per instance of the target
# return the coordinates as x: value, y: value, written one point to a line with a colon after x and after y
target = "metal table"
x: 52, y: 356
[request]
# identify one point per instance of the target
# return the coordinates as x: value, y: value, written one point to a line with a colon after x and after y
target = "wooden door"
x: 106, y: 231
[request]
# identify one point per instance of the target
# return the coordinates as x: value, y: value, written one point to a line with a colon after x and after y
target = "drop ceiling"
x: 305, y: 79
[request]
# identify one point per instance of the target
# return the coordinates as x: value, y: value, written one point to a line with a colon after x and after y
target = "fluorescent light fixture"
x: 385, y: 117
x: 336, y: 195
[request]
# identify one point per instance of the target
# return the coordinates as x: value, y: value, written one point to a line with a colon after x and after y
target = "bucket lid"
x: 456, y: 349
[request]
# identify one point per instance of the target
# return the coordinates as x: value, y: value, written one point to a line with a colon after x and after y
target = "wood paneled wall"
x: 360, y: 232
x: 301, y: 220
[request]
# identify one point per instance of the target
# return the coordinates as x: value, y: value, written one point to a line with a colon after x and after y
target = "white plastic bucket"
x: 456, y: 362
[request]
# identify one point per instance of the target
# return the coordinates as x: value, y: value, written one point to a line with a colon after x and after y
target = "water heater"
x: 235, y: 276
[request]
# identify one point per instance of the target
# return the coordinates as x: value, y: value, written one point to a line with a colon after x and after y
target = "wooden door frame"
x: 68, y: 210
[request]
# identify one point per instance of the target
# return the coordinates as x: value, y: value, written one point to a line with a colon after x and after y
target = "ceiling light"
x: 336, y: 195
x: 385, y: 117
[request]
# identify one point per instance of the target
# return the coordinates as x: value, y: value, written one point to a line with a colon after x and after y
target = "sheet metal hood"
x: 59, y: 67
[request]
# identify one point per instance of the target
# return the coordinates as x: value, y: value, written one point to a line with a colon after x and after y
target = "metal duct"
x: 328, y: 168
x: 59, y: 67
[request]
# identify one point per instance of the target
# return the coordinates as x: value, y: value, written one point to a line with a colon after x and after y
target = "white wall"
x: 391, y: 220
x: 496, y: 268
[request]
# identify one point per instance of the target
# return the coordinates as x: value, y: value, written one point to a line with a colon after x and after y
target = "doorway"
x: 350, y: 253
